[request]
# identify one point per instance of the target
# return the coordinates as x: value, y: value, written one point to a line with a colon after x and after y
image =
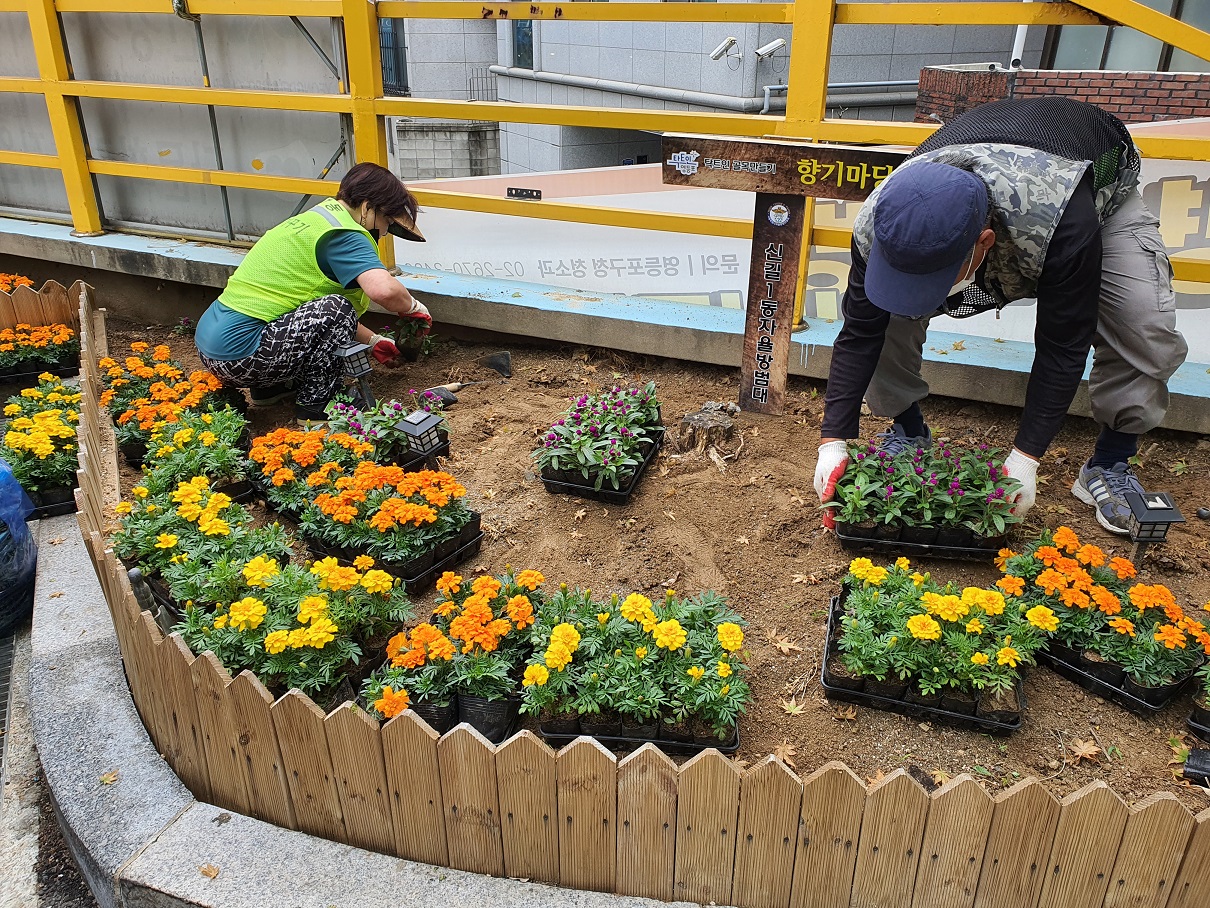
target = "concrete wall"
x: 430, y: 150
x: 441, y: 53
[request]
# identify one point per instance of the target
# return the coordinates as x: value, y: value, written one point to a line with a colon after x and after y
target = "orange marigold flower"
x: 392, y: 702
x: 1051, y: 581
x: 441, y: 648
x: 1073, y: 598
x: 1122, y: 625
x: 1106, y: 600
x: 449, y: 583
x: 530, y: 580
x: 1123, y: 567
x: 487, y: 585
x: 1066, y: 539
x: 1012, y: 586
x: 444, y: 609
x: 284, y: 475
x: 1002, y: 557
x: 1170, y: 636
x: 1091, y: 555
x: 396, y: 644
x: 521, y: 611
x: 1048, y: 555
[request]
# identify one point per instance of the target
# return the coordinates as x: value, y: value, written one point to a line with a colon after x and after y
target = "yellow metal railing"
x: 367, y: 106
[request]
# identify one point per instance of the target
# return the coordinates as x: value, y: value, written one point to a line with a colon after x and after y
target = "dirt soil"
x: 753, y: 533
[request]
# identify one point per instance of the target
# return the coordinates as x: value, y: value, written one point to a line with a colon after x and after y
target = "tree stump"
x: 704, y: 428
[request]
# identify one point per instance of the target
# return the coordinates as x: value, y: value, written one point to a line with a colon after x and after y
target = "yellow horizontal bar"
x: 265, y: 182
x: 15, y: 84
x: 12, y: 6
x: 1154, y: 23
x: 779, y: 13
x: 207, y: 7
x: 587, y: 214
x: 852, y: 132
x: 560, y: 115
x: 219, y: 97
x: 831, y: 236
x: 29, y: 159
x: 1173, y: 149
x: 1184, y: 269
x: 964, y: 14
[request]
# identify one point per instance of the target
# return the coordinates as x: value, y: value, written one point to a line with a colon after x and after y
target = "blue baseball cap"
x: 926, y: 220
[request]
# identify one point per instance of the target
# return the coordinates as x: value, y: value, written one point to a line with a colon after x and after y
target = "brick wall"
x: 1135, y: 97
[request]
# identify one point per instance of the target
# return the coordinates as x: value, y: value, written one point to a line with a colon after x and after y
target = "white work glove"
x: 829, y: 467
x: 1024, y: 469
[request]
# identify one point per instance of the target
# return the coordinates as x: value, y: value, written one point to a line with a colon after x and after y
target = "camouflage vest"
x: 1031, y: 189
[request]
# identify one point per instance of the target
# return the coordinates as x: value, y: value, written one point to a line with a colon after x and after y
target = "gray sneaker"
x: 1105, y: 490
x: 896, y: 441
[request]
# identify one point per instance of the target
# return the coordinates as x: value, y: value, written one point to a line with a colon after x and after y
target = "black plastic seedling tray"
x: 609, y: 496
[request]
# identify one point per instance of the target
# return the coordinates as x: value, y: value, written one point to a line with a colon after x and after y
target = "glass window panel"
x: 1196, y: 13
x: 523, y: 43
x: 1080, y: 47
x: 1131, y: 50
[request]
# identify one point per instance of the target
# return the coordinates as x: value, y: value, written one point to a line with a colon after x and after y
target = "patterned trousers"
x: 300, y: 346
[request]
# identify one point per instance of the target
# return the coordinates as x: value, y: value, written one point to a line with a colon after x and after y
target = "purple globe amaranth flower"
x: 861, y: 457
x: 919, y: 471
x: 960, y: 493
x: 993, y: 472
x: 551, y: 436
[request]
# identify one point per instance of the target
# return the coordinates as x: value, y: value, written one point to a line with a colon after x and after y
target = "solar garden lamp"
x: 1151, y: 514
x: 422, y: 430
x: 357, y: 366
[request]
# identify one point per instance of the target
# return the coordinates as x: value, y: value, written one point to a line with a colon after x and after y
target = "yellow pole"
x: 64, y: 113
x: 806, y: 104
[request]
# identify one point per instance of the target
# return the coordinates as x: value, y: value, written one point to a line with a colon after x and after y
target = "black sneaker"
x: 1105, y: 490
x: 896, y: 441
x: 310, y: 417
x: 271, y: 394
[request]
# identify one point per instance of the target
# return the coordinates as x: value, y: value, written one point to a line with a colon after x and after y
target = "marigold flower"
x: 1123, y: 567
x: 1042, y: 618
x: 535, y: 675
x: 1073, y: 598
x: 1170, y: 636
x: 951, y: 608
x: 1122, y: 625
x: 521, y: 611
x: 363, y: 562
x: 1106, y: 600
x: 449, y: 583
x: 1013, y: 586
x: 321, y: 632
x: 565, y: 635
x: 487, y: 585
x: 1002, y: 558
x: 312, y: 607
x: 122, y: 507
x: 392, y: 702
x: 215, y: 526
x: 557, y: 657
x: 724, y: 669
x: 1090, y: 555
x: 165, y: 541
x: 635, y: 606
x: 974, y: 626
x: 1051, y: 581
x: 670, y: 635
x: 1066, y: 539
x: 247, y: 613
x: 377, y: 582
x: 979, y: 659
x: 531, y: 580
x: 1008, y: 656
x: 260, y: 570
x: 276, y: 642
x: 902, y: 563
x: 695, y: 672
x: 923, y: 627
x: 730, y: 636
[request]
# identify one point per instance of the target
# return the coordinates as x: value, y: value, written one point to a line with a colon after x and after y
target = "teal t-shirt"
x: 225, y: 335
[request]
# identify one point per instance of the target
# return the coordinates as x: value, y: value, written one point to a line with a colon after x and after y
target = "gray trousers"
x: 1135, y: 351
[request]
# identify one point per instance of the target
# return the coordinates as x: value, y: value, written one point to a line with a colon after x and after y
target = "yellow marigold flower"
x: 565, y: 635
x: 341, y: 578
x: 724, y: 670
x: 215, y: 526
x: 730, y: 636
x: 190, y: 510
x: 695, y: 672
x: 220, y: 621
x: 1002, y: 558
x: 917, y: 578
x: 1008, y: 656
x: 670, y: 635
x: 12, y: 409
x: 321, y: 632
x: 363, y: 562
x: 859, y: 566
x: 247, y: 613
x: 1042, y: 618
x: 139, y: 492
x: 165, y: 541
x: 312, y: 607
x: 951, y: 608
x: 603, y: 618
x: 902, y: 563
x: 635, y: 606
x: 979, y: 659
x: 557, y: 657
x: 535, y: 674
x: 640, y: 653
x: 377, y: 582
x: 122, y: 507
x: 260, y: 570
x: 974, y: 626
x: 276, y: 642
x: 923, y: 627
x: 207, y: 439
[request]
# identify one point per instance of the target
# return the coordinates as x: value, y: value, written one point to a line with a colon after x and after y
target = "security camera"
x: 721, y: 51
x: 773, y: 46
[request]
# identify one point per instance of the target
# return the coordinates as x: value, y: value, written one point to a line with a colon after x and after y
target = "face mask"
x: 373, y: 231
x: 966, y: 282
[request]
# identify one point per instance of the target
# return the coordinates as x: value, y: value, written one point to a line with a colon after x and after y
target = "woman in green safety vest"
x: 297, y: 296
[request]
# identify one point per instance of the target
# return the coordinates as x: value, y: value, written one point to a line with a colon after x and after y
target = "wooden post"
x: 829, y: 827
x: 1157, y: 834
x: 252, y: 721
x: 299, y: 724
x: 770, y: 797
x: 889, y: 852
x: 707, y: 812
x: 647, y: 794
x: 1091, y: 822
x: 1193, y: 881
x: 1022, y: 832
x: 472, y: 801
x: 955, y: 837
x: 356, y: 749
x: 588, y: 807
x: 409, y: 750
x: 529, y: 809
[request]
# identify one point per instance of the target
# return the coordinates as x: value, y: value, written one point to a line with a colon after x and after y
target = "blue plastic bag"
x: 18, y: 552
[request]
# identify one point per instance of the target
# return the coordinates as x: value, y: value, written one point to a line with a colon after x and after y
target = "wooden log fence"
x: 706, y: 831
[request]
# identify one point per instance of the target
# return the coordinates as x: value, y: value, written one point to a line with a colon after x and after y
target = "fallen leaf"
x: 742, y: 540
x: 805, y: 578
x: 796, y: 497
x: 56, y: 595
x: 222, y: 819
x: 663, y: 470
x: 1180, y: 751
x: 755, y: 431
x: 671, y: 580
x: 877, y: 777
x: 208, y: 870
x: 783, y: 644
x: 940, y: 776
x: 845, y: 714
x: 1083, y: 750
x: 588, y: 368
x: 742, y: 764
x: 670, y: 516
x: 792, y: 707
x: 785, y: 751
x: 110, y: 777
x: 55, y: 541
x: 576, y: 534
x: 959, y: 345
x: 581, y: 514
x: 489, y: 494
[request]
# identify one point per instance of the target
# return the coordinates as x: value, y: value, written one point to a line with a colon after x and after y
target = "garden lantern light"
x: 423, y: 431
x: 1151, y: 513
x: 357, y: 366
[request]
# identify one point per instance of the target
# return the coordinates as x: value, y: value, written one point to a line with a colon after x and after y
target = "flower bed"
x: 1124, y: 640
x: 899, y: 639
x: 939, y: 500
x: 40, y: 444
x: 211, y: 444
x: 601, y: 445
x: 382, y: 426
x: 27, y: 350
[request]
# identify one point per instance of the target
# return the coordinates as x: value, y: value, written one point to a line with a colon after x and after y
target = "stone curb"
x: 142, y: 839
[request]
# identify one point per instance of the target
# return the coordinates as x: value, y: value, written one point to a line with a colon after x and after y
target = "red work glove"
x: 829, y: 467
x: 383, y: 349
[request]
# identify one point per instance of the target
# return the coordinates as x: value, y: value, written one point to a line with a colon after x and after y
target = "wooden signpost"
x: 783, y: 175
